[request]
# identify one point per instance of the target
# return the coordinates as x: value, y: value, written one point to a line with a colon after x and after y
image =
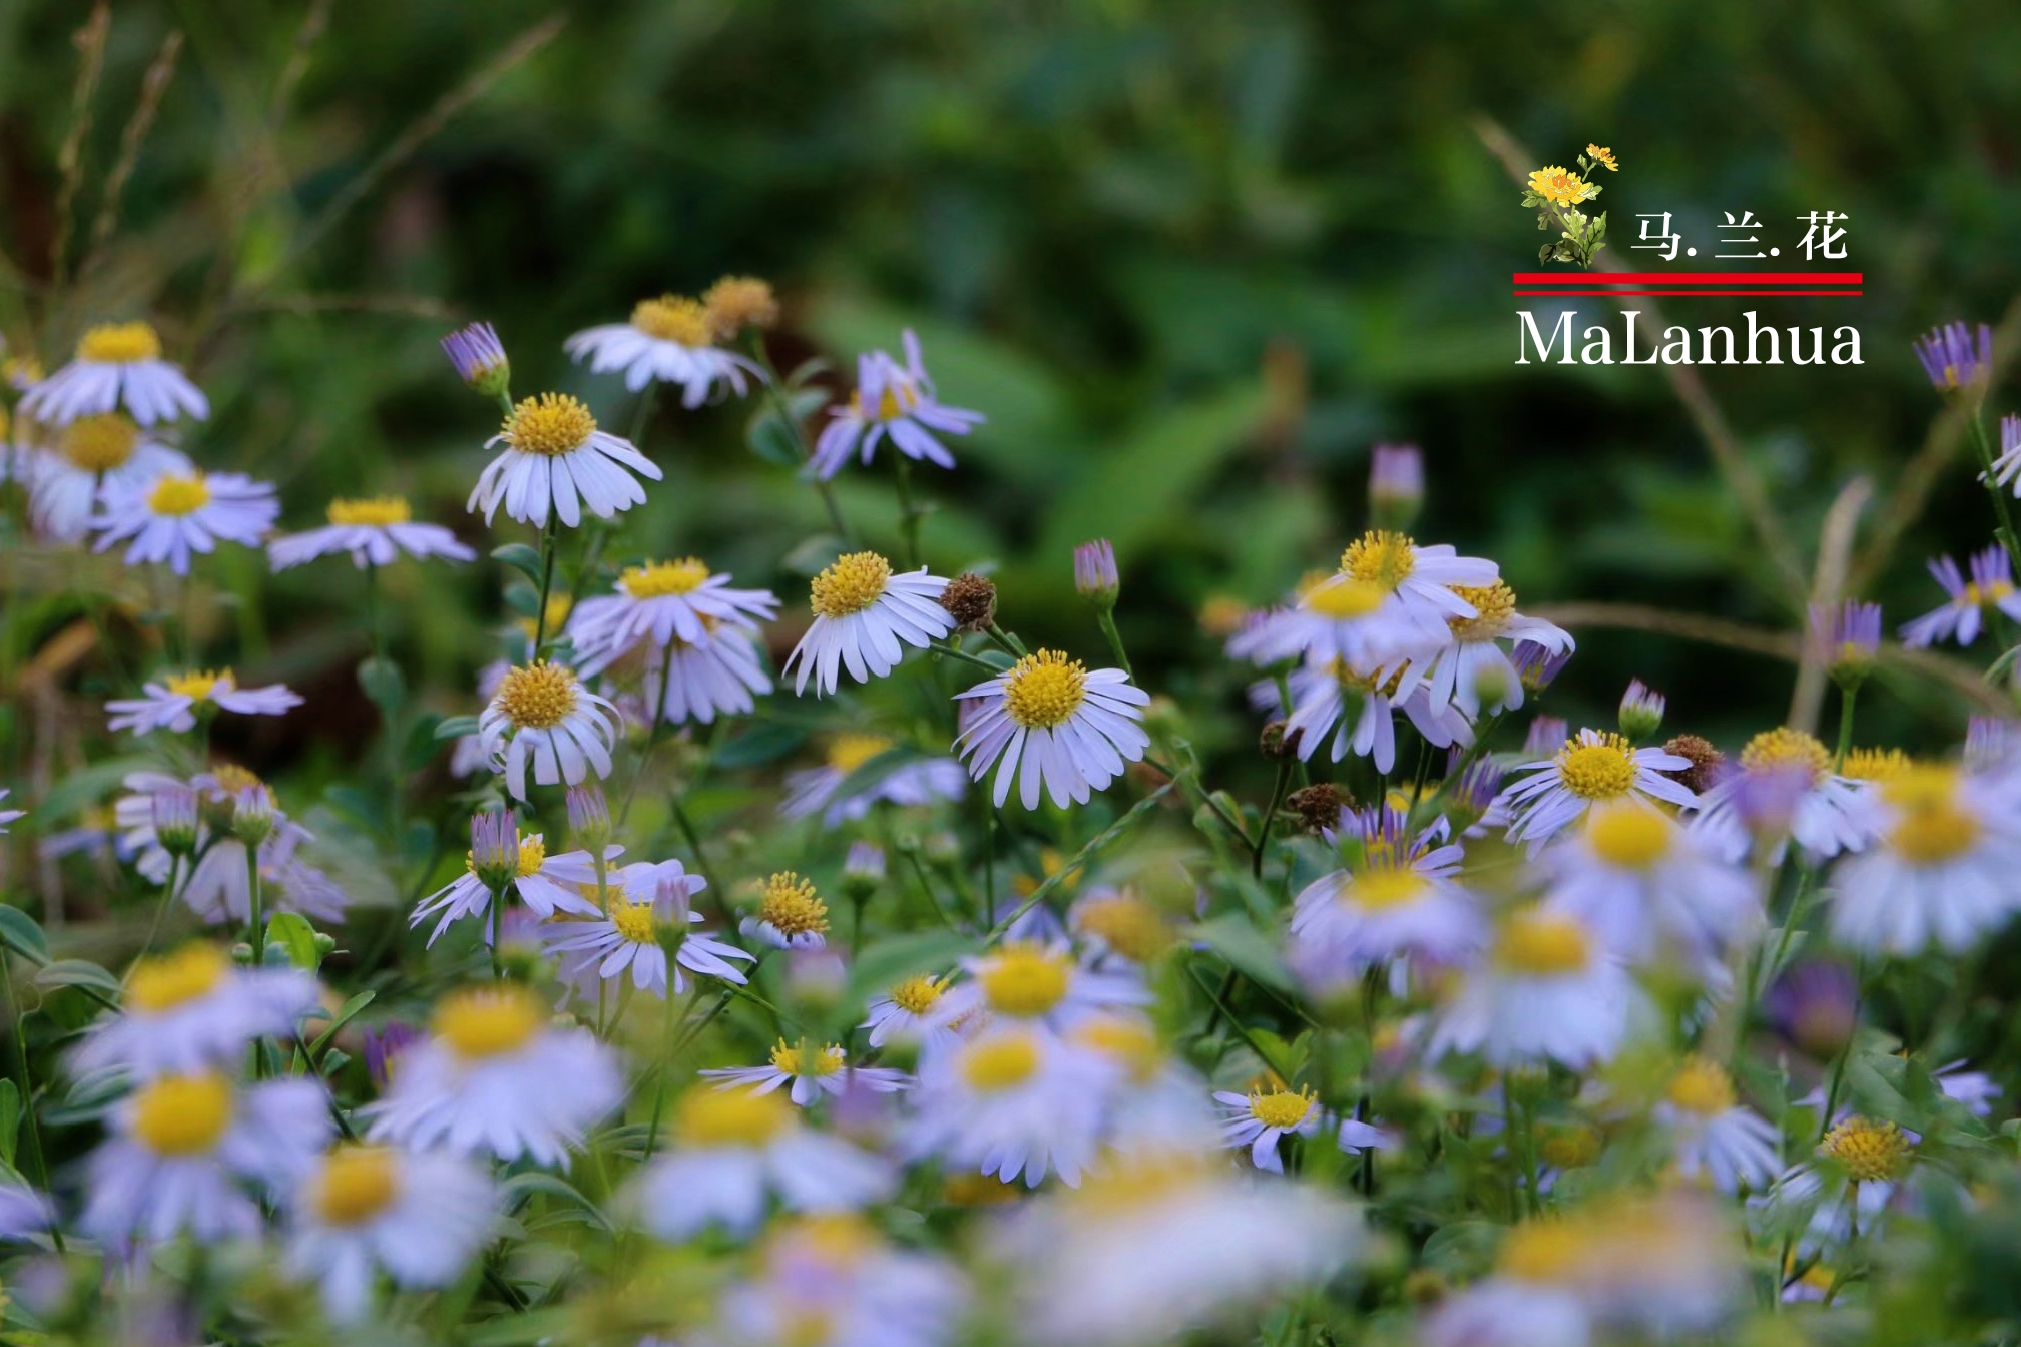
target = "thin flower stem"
x: 1107, y: 622
x: 1008, y: 640
x: 1982, y: 443
x: 910, y: 512
x: 1080, y: 859
x: 497, y: 959
x: 1269, y: 817
x: 546, y: 583
x: 1848, y: 698
x: 926, y: 886
x: 666, y: 1060
x: 784, y: 411
x: 37, y: 1164
x: 178, y: 873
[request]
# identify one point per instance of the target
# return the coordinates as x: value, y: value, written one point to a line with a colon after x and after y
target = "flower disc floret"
x: 99, y: 443
x: 663, y: 579
x: 550, y: 423
x: 488, y: 1022
x: 1024, y: 980
x: 178, y: 496
x: 1629, y: 836
x: 707, y: 1119
x: 183, y: 1115
x: 1044, y: 690
x: 355, y: 1185
x: 791, y: 906
x: 119, y: 344
x: 370, y: 511
x: 1785, y: 748
x: 538, y: 696
x: 1380, y: 557
x: 1282, y: 1109
x: 1542, y: 944
x: 1930, y: 825
x: 674, y: 318
x: 1701, y: 1086
x: 165, y: 981
x: 1870, y: 1150
x: 917, y: 995
x: 1000, y: 1063
x: 851, y: 583
x: 1597, y: 769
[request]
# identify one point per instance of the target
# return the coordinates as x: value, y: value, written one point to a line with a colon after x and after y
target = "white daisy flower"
x: 494, y: 1077
x: 116, y: 365
x: 891, y: 400
x: 1260, y: 1119
x: 1024, y: 980
x: 1340, y: 617
x: 556, y: 459
x: 194, y: 1009
x: 646, y: 897
x: 790, y: 915
x: 1052, y: 724
x: 1014, y: 1100
x: 219, y: 891
x: 175, y: 515
x: 174, y: 701
x: 658, y: 603
x: 7, y: 816
x: 1550, y: 990
x: 718, y: 678
x: 1643, y: 883
x: 864, y: 617
x: 812, y: 1070
x: 542, y: 712
x: 669, y: 340
x: 24, y: 1213
x: 107, y: 449
x: 1320, y: 699
x: 732, y: 1149
x: 546, y: 884
x: 1991, y: 586
x: 1974, y: 1089
x: 907, y: 781
x: 831, y: 1281
x: 1472, y: 673
x: 1116, y: 925
x: 1400, y: 899
x: 1857, y: 1173
x: 1595, y: 767
x: 1714, y: 1134
x: 1829, y: 812
x: 374, y: 531
x: 1156, y: 1246
x: 421, y: 1219
x: 182, y: 1149
x: 905, y: 1014
x: 1941, y: 874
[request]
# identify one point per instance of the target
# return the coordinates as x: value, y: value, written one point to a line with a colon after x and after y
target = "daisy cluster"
x: 854, y: 971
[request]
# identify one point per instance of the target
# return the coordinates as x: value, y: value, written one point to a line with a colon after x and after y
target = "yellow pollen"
x: 1930, y: 827
x: 178, y: 496
x: 847, y: 752
x: 1977, y: 595
x: 537, y: 696
x: 715, y: 1118
x: 170, y: 980
x: 1495, y: 603
x: 791, y: 907
x: 898, y: 399
x: 1043, y: 690
x: 1346, y: 598
x: 1540, y: 944
x: 119, y: 344
x: 917, y: 995
x: 1784, y: 748
x: 182, y: 1115
x: 99, y: 443
x: 1875, y: 764
x: 551, y: 424
x: 797, y: 1061
x: 1130, y: 1042
x: 1601, y: 768
x: 737, y: 302
x: 232, y: 778
x: 532, y: 855
x: 660, y: 579
x: 1384, y: 886
x: 634, y: 922
x: 1628, y: 835
x: 1000, y: 1063
x: 1380, y: 557
x: 853, y: 582
x: 1127, y: 924
x: 199, y: 684
x: 1870, y: 1150
x: 1701, y: 1086
x: 488, y: 1021
x: 356, y: 1184
x: 1024, y: 980
x: 375, y: 510
x: 674, y: 318
x: 1543, y: 1251
x: 1283, y: 1109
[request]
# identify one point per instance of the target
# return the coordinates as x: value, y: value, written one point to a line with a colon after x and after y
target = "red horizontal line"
x: 1528, y: 294
x: 1699, y: 277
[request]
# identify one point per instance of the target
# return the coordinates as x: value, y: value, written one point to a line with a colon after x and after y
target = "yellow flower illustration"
x: 1600, y: 154
x: 1555, y: 185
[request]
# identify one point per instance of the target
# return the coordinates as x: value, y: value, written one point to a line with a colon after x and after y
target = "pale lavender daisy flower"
x: 657, y: 603
x: 2007, y: 467
x: 1052, y: 723
x: 1363, y: 707
x: 1952, y: 359
x: 375, y: 532
x: 891, y: 400
x: 1594, y: 767
x: 116, y: 365
x: 174, y: 702
x: 646, y: 900
x: 543, y: 715
x: 864, y: 617
x: 555, y: 459
x: 671, y: 340
x: 91, y: 452
x: 1991, y: 585
x: 719, y: 677
x: 175, y: 515
x: 835, y: 791
x: 811, y: 1070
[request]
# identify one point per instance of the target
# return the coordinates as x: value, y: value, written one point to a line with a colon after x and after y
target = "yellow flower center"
x: 1385, y: 886
x: 1002, y: 1062
x: 178, y: 496
x: 488, y: 1021
x: 1346, y: 598
x: 737, y: 302
x: 674, y: 318
x: 917, y: 995
x: 1132, y: 1043
x: 851, y: 583
x: 715, y: 1118
x: 1541, y: 944
x: 1380, y: 557
x: 538, y: 696
x: 99, y: 443
x: 847, y: 752
x: 1280, y: 1108
x: 1569, y: 1147
x: 1870, y: 1150
x: 1127, y: 924
x: 119, y: 344
x: 1701, y: 1086
x: 790, y: 906
x: 199, y: 684
x: 799, y: 1061
x: 1628, y: 835
x: 1024, y: 979
x: 1875, y: 764
x: 1597, y: 769
x: 1931, y: 826
x: 1543, y: 1251
x: 21, y: 371
x: 1977, y: 595
x: 1495, y: 603
x: 634, y: 921
x: 232, y: 778
x: 551, y: 424
x: 532, y: 855
x: 661, y: 579
x: 372, y: 510
x: 1043, y: 690
x: 356, y: 1184
x: 170, y: 980
x: 1786, y: 748
x: 182, y: 1115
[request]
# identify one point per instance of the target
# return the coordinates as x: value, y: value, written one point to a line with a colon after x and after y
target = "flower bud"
x: 479, y: 358
x: 1846, y: 640
x: 1546, y: 735
x: 589, y: 817
x: 1095, y: 574
x: 1816, y: 1005
x: 816, y: 977
x: 384, y: 1046
x: 252, y: 814
x: 174, y: 815
x: 1955, y: 362
x: 494, y: 848
x: 1396, y: 486
x: 1536, y: 665
x: 970, y: 600
x: 1641, y: 712
x: 862, y: 871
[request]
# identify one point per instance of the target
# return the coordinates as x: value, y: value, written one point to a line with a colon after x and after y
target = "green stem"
x: 1848, y: 697
x: 497, y: 959
x: 1984, y: 445
x: 784, y: 411
x: 38, y: 1166
x: 547, y: 533
x: 1107, y: 622
x: 1270, y: 816
x: 909, y: 511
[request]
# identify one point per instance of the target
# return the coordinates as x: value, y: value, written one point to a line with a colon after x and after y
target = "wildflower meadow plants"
x: 797, y: 952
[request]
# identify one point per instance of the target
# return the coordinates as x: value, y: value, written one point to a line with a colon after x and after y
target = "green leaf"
x: 421, y: 743
x: 522, y: 1186
x: 456, y: 727
x: 77, y: 973
x: 759, y: 745
x: 772, y: 440
x: 522, y: 558
x: 10, y: 1119
x: 345, y: 1015
x: 384, y: 685
x: 812, y: 556
x: 292, y: 932
x: 527, y: 1326
x: 1246, y: 949
x: 23, y: 934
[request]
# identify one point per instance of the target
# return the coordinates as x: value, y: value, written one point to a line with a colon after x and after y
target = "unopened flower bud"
x: 383, y: 1048
x: 1536, y: 665
x: 1816, y: 1005
x: 589, y: 817
x: 1641, y: 712
x: 1546, y: 735
x: 970, y: 600
x: 1475, y: 788
x: 1847, y: 640
x: 862, y: 871
x: 1396, y: 486
x: 479, y: 358
x: 174, y: 815
x: 252, y: 814
x: 1955, y: 362
x: 942, y: 849
x: 1095, y: 574
x: 494, y: 848
x: 816, y: 977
